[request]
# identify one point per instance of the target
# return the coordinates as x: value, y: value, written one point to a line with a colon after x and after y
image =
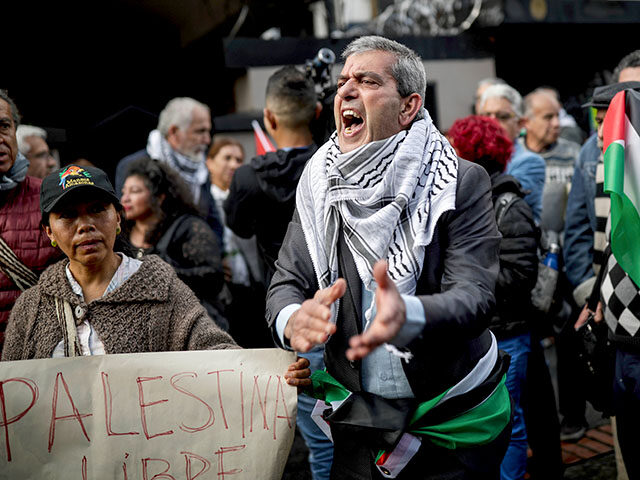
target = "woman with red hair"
x: 483, y: 141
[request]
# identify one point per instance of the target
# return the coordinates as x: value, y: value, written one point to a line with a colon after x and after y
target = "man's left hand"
x: 390, y: 317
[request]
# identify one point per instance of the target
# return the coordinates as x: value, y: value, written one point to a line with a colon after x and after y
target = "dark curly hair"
x: 170, y: 197
x: 481, y: 140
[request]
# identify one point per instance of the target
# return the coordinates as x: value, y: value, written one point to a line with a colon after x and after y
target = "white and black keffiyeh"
x: 193, y: 172
x: 386, y: 196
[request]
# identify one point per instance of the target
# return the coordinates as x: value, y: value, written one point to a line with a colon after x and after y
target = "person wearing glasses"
x: 504, y: 104
x: 32, y: 143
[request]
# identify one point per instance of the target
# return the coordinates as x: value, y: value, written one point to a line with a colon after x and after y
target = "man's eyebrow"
x: 367, y: 73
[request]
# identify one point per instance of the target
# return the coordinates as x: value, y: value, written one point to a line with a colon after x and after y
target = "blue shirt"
x: 382, y: 372
x: 529, y: 169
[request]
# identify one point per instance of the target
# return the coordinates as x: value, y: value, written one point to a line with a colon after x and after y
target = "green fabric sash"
x: 477, y: 426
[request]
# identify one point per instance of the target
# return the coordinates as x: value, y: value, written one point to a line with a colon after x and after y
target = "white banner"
x: 225, y: 414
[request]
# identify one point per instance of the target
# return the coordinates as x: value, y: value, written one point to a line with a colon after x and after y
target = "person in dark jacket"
x: 262, y: 193
x: 483, y: 141
x: 261, y: 202
x: 19, y: 213
x: 160, y: 219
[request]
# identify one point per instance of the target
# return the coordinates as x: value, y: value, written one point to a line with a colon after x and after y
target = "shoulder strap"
x: 13, y: 268
x: 167, y: 237
x: 502, y: 204
x: 68, y: 326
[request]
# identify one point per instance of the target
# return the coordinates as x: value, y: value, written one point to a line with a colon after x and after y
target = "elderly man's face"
x: 499, y: 108
x: 194, y: 140
x: 8, y: 141
x: 41, y: 162
x: 367, y: 106
x: 543, y: 124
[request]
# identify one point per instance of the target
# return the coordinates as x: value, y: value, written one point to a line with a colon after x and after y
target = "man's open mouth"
x: 352, y: 121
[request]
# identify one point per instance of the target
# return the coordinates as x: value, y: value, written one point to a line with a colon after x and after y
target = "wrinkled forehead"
x: 545, y: 103
x: 375, y: 61
x: 5, y: 111
x: 496, y: 104
x: 199, y: 117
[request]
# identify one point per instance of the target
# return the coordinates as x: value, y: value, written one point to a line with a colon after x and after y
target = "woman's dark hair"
x: 170, y: 197
x: 223, y: 142
x: 481, y: 140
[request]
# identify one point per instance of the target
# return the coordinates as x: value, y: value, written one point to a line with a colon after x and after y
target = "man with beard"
x: 181, y: 141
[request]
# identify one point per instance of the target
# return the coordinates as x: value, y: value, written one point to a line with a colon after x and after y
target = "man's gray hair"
x: 4, y: 95
x: 507, y: 92
x: 631, y: 60
x: 178, y: 112
x: 528, y: 99
x: 408, y: 71
x: 490, y: 81
x: 25, y: 131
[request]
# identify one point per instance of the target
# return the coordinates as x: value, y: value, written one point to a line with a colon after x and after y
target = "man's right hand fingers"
x: 313, y: 309
x: 328, y: 295
x: 311, y: 326
x: 313, y: 318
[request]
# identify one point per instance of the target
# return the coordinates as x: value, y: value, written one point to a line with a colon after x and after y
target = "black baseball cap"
x: 602, y: 96
x: 74, y: 179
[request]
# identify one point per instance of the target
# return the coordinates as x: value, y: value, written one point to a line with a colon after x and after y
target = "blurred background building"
x: 96, y: 74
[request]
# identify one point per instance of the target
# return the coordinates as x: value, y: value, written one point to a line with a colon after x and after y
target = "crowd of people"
x: 410, y: 266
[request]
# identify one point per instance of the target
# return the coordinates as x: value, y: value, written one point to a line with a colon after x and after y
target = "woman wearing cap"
x: 97, y: 300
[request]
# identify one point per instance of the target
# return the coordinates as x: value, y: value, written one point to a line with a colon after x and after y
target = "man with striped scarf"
x: 391, y: 260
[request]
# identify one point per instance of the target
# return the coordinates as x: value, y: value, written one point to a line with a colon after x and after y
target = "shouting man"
x: 391, y: 259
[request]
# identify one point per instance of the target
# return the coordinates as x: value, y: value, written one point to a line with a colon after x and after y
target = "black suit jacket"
x: 456, y: 289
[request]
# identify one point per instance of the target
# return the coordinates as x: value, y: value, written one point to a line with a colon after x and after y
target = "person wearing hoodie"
x: 483, y: 141
x: 262, y: 193
x: 261, y: 201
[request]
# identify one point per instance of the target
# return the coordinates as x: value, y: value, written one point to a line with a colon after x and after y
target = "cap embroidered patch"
x: 74, y: 175
x: 90, y: 180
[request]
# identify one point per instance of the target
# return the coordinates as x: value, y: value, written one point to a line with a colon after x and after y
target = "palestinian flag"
x: 621, y: 131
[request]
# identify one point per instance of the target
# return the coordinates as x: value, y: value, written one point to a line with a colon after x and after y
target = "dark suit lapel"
x: 347, y: 269
x: 346, y: 372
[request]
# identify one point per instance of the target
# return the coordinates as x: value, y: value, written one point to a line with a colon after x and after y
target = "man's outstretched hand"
x: 390, y: 316
x: 310, y: 325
